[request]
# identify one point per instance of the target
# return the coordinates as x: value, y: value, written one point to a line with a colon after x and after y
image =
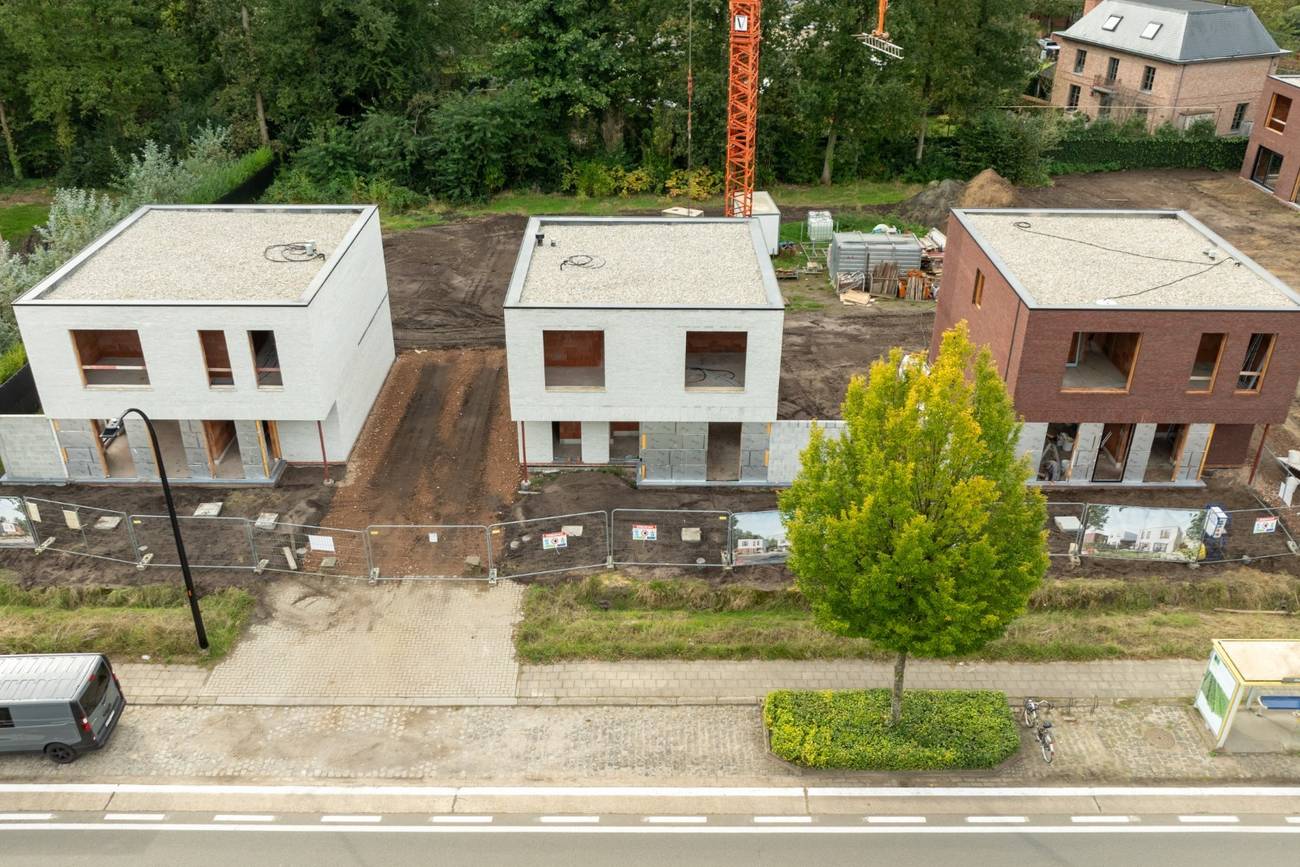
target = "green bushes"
x: 222, y: 180
x: 12, y: 361
x: 1153, y: 152
x: 849, y: 730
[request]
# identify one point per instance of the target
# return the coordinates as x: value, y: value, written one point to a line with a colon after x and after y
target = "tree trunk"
x: 9, y: 143
x: 920, y: 138
x: 262, y: 131
x: 611, y: 129
x: 828, y: 159
x: 896, y: 701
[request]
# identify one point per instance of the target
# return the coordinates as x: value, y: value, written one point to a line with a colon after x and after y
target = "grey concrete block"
x: 79, y: 455
x: 753, y: 441
x: 693, y: 441
x: 649, y: 427
x: 662, y: 441
x: 689, y: 472
x: 656, y: 457
x: 758, y: 428
x: 658, y: 473
x: 693, y: 428
x: 753, y: 474
x: 752, y: 459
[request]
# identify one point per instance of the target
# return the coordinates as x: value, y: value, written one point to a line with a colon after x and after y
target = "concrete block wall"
x: 29, y: 448
x: 537, y: 442
x: 1139, y: 453
x: 754, y: 438
x: 675, y: 451
x: 196, y: 448
x: 1195, y: 442
x: 787, y: 441
x: 595, y: 442
x: 1084, y: 458
x: 250, y: 449
x: 1033, y: 436
x: 77, y: 439
x: 137, y: 437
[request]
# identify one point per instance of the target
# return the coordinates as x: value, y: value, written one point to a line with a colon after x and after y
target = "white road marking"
x: 859, y: 829
x: 346, y: 819
x: 1100, y: 820
x: 242, y: 817
x: 677, y: 820
x: 461, y: 820
x: 25, y: 817
x: 569, y: 820
x: 783, y: 820
x: 1208, y: 820
x: 134, y: 817
x: 997, y: 820
x: 895, y: 820
x: 1053, y: 792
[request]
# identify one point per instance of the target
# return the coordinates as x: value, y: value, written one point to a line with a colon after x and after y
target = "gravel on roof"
x: 1069, y: 259
x: 206, y: 255
x: 652, y: 264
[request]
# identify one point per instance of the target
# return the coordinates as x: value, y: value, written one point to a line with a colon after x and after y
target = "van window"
x: 96, y: 689
x: 6, y: 720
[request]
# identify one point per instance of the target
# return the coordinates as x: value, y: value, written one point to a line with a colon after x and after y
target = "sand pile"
x: 988, y: 189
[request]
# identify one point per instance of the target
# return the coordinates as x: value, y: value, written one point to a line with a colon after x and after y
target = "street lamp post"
x: 112, y: 428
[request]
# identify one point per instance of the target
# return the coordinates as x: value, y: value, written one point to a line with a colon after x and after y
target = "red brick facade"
x: 1285, y: 142
x: 1031, y: 346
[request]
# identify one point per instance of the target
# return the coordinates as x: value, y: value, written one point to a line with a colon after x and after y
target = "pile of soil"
x: 988, y: 189
x: 930, y: 207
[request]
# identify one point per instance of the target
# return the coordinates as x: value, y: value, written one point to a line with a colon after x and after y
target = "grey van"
x: 61, y: 704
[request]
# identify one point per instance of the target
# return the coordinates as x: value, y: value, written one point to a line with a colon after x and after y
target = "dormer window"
x: 1150, y: 31
x: 1111, y: 23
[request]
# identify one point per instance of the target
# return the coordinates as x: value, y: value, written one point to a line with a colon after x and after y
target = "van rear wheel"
x: 60, y: 753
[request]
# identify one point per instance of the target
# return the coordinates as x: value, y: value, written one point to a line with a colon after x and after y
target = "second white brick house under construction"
x: 253, y: 337
x: 647, y: 341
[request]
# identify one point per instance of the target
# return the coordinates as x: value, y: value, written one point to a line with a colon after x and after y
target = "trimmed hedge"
x: 1148, y: 152
x: 849, y: 729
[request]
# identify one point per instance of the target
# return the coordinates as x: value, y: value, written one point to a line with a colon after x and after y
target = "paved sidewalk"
x: 1129, y: 744
x: 738, y: 682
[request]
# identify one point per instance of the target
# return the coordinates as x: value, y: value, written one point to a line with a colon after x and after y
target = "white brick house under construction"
x: 654, y: 342
x: 253, y: 336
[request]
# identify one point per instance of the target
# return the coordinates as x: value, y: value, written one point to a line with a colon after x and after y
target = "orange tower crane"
x: 878, y: 39
x: 742, y: 107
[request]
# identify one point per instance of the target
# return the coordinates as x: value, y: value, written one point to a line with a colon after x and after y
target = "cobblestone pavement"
x: 695, y: 745
x: 344, y: 641
x: 734, y: 681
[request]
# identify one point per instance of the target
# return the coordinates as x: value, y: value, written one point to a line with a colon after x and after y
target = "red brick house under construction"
x: 1139, y: 346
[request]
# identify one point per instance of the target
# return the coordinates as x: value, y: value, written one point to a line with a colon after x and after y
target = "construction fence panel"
x: 310, y: 550
x: 669, y: 537
x: 429, y: 550
x: 210, y: 542
x: 15, y: 526
x: 539, y: 546
x: 84, y: 530
x: 1065, y: 527
x: 1249, y: 534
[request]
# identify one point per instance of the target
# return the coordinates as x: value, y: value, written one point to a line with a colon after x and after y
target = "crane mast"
x: 742, y: 107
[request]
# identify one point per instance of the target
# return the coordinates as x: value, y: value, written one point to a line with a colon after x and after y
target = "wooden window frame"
x: 1128, y: 384
x: 1218, y: 360
x: 207, y: 363
x: 252, y: 349
x: 82, y: 366
x: 977, y: 293
x: 1272, y: 107
x: 1263, y: 370
x: 601, y: 367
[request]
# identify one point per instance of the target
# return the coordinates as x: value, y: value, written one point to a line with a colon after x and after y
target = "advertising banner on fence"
x: 15, y: 532
x: 1136, y: 533
x: 758, y: 537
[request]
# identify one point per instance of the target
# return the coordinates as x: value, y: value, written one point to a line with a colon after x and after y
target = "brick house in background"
x: 1139, y: 346
x: 1273, y: 155
x: 1174, y: 61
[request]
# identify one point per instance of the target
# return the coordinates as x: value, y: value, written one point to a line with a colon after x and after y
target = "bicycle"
x: 1029, y: 713
x: 1044, y: 734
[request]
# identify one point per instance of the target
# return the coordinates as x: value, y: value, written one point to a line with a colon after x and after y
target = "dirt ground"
x: 447, y: 283
x: 300, y: 498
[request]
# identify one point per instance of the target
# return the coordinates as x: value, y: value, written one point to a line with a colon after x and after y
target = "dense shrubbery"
x: 939, y: 730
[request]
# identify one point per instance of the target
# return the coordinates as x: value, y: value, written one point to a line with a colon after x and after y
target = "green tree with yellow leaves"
x: 915, y: 528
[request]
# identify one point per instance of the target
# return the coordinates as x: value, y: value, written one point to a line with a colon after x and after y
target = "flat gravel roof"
x: 1137, y: 259
x: 688, y: 262
x: 206, y: 254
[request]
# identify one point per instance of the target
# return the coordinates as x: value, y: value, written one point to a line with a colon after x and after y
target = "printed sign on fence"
x: 321, y: 543
x: 433, y: 537
x: 645, y: 532
x: 1266, y: 525
x: 554, y: 541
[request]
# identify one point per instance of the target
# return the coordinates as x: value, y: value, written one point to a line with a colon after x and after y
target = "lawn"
x: 17, y: 221
x: 124, y: 622
x: 686, y: 619
x: 853, y: 195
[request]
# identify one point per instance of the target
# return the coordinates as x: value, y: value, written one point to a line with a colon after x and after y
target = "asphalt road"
x: 309, y: 842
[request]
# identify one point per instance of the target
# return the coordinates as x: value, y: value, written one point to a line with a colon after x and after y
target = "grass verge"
x: 849, y: 729
x: 120, y: 621
x: 1067, y: 620
x: 17, y: 221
